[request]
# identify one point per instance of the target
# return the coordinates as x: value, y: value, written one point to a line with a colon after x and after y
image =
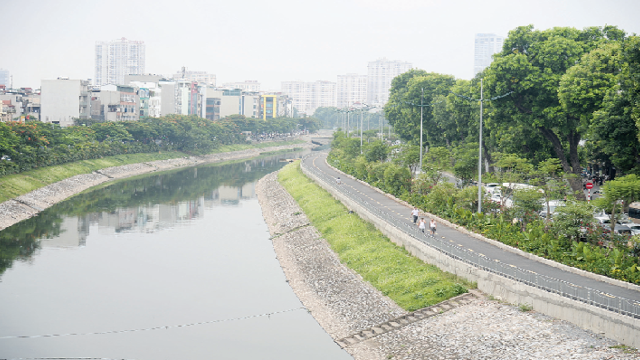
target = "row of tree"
x: 27, y: 145
x: 561, y: 93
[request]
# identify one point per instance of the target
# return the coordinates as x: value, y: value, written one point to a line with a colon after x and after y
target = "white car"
x: 635, y: 228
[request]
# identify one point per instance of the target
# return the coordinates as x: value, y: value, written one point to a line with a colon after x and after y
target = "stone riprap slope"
x: 344, y: 305
x: 28, y: 205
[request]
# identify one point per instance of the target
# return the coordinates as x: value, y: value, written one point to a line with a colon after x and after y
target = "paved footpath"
x: 402, y: 212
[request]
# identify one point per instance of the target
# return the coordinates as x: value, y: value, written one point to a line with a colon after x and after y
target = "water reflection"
x: 145, y: 204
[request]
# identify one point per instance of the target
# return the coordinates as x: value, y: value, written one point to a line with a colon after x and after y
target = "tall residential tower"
x: 115, y: 59
x: 351, y: 88
x: 380, y: 74
x: 486, y: 45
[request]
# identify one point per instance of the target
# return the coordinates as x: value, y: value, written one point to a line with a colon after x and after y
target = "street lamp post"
x: 421, y: 111
x: 361, y: 130
x: 480, y: 154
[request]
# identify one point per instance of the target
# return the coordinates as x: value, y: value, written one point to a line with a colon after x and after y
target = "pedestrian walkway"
x: 482, y: 253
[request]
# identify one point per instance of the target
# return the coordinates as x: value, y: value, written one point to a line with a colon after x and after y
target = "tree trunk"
x: 572, y: 167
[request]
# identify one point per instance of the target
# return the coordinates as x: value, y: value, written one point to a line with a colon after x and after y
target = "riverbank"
x: 30, y: 204
x: 344, y: 304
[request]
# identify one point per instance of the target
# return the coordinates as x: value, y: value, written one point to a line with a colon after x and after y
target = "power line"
x: 491, y: 99
x: 164, y: 327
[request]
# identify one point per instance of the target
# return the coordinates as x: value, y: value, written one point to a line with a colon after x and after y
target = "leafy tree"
x: 531, y: 66
x: 574, y: 221
x: 8, y: 140
x: 329, y: 116
x: 407, y: 89
x: 376, y: 151
x: 111, y: 131
x: 408, y: 156
x: 550, y: 178
x: 513, y: 170
x: 624, y: 189
x: 466, y: 162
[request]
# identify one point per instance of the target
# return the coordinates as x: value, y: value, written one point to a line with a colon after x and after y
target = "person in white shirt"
x: 415, y: 214
x: 422, y: 225
x: 338, y: 181
x: 432, y: 226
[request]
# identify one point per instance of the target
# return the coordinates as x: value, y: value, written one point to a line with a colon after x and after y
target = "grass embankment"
x: 407, y: 280
x: 22, y: 183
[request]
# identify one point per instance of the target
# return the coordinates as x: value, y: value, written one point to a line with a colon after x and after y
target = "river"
x: 124, y: 265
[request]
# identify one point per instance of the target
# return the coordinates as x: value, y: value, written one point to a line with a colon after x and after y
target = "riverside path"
x: 481, y: 253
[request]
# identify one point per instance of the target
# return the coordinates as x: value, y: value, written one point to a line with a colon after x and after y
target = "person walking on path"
x: 432, y: 226
x: 338, y: 181
x: 422, y: 225
x: 415, y: 214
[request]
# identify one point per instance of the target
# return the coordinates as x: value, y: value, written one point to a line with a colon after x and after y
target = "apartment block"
x: 485, y: 46
x: 380, y: 73
x: 308, y: 96
x: 350, y: 89
x: 116, y: 59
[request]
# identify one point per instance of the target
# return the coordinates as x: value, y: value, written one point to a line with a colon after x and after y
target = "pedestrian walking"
x: 422, y: 225
x: 432, y: 226
x: 338, y: 181
x: 415, y: 214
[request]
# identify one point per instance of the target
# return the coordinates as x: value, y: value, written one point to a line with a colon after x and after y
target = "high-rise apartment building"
x: 308, y: 96
x: 350, y: 89
x: 380, y: 74
x: 485, y: 46
x: 5, y: 78
x: 201, y: 77
x: 115, y: 59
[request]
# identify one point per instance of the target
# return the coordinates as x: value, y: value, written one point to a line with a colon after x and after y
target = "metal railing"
x: 563, y: 288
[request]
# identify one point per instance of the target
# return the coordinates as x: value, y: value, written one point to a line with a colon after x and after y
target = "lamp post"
x: 421, y: 111
x: 480, y: 153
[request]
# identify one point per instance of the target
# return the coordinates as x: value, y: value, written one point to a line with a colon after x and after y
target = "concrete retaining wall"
x: 612, y: 325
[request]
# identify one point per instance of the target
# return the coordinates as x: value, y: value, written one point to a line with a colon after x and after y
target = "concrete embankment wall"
x: 612, y: 325
x: 28, y: 205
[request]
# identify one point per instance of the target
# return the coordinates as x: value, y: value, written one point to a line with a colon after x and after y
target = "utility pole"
x: 421, y: 111
x: 361, y: 129
x: 480, y: 154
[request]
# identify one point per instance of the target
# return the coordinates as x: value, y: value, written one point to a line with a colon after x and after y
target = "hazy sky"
x: 277, y: 40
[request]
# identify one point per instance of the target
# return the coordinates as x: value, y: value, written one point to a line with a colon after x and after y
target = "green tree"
x: 625, y: 189
x: 376, y: 151
x: 531, y: 66
x: 407, y: 89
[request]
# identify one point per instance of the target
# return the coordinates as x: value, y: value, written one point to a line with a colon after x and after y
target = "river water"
x: 188, y: 247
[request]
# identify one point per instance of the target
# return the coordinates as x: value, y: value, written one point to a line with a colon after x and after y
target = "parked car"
x: 635, y: 228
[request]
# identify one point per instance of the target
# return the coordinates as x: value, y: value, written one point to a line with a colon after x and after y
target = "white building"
x: 63, y: 100
x: 350, y: 89
x: 115, y: 59
x: 308, y: 96
x: 485, y: 46
x: 379, y: 76
x: 247, y: 85
x: 201, y: 77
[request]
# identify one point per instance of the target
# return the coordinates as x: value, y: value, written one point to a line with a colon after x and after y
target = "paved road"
x: 403, y: 213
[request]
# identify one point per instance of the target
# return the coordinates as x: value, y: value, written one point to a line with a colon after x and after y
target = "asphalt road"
x: 403, y: 213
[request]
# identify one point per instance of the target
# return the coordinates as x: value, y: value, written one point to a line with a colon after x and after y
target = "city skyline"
x: 432, y: 35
